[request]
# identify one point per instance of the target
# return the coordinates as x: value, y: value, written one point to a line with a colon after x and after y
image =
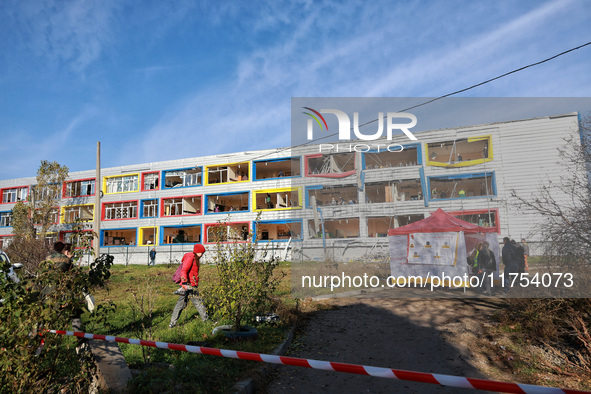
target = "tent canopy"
x: 438, y: 222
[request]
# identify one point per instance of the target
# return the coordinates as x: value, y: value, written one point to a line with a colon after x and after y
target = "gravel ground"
x: 424, y: 335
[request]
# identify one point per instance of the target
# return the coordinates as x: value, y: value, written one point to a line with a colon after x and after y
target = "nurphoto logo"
x: 345, y: 124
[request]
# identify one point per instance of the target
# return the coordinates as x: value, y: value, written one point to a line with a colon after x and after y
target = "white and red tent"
x: 436, y: 246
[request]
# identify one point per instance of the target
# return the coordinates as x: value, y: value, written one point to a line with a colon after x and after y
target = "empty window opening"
x: 272, y: 231
x: 148, y: 236
x: 181, y: 234
x: 465, y: 151
x: 74, y: 213
x: 336, y: 228
x: 379, y: 226
x: 393, y: 191
x: 482, y: 218
x: 331, y: 164
x: 456, y: 187
x: 78, y: 239
x: 227, y: 202
x: 237, y: 172
x: 333, y: 195
x: 52, y: 216
x: 179, y: 206
x: 81, y: 188
x: 387, y: 159
x: 150, y: 180
x: 183, y: 178
x: 233, y: 232
x: 278, y: 199
x: 120, y: 210
x: 267, y: 169
x: 119, y: 237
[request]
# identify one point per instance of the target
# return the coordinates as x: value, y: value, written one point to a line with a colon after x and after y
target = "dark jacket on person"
x: 61, y: 261
x: 486, y: 260
x: 510, y: 257
x: 520, y: 258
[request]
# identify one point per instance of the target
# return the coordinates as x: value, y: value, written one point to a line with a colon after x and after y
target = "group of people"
x: 483, y: 263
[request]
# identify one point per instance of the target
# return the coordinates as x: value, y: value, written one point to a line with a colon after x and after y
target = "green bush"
x: 30, y: 358
x: 244, y: 281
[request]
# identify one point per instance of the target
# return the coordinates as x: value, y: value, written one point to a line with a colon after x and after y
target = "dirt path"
x: 426, y: 335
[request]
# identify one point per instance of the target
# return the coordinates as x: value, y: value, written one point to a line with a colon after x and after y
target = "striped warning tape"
x: 444, y: 380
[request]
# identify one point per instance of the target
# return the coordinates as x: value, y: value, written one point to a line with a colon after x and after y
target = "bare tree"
x: 32, y: 219
x: 566, y: 227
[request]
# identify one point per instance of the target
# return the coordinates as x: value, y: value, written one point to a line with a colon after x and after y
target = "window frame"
x: 105, y: 206
x: 65, y: 188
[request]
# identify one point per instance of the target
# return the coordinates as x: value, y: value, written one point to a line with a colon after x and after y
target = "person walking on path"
x: 190, y: 283
x: 152, y: 257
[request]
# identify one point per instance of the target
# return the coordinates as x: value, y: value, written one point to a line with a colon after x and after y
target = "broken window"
x: 79, y: 188
x: 379, y: 226
x: 462, y: 186
x: 279, y: 230
x: 5, y: 218
x: 482, y: 218
x: 181, y: 234
x: 119, y: 237
x: 332, y: 195
x: 234, y: 172
x: 5, y: 240
x: 149, y: 208
x: 148, y: 236
x: 73, y: 213
x: 227, y: 202
x: 231, y: 232
x: 288, y: 198
x: 336, y: 228
x: 53, y: 216
x: 15, y: 194
x: 185, y: 177
x: 121, y: 184
x: 386, y: 159
x: 393, y: 191
x: 178, y: 206
x: 335, y: 165
x: 460, y: 152
x: 78, y: 239
x: 120, y: 210
x: 150, y: 180
x: 277, y: 168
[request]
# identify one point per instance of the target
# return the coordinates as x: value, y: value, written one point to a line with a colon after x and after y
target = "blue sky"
x: 157, y: 80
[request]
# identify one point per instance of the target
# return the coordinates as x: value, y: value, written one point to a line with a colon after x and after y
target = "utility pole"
x: 97, y: 203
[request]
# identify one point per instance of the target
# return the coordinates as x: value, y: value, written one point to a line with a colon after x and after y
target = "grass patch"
x: 144, y: 303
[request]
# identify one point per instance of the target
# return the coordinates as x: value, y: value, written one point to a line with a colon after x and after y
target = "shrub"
x: 244, y: 282
x: 48, y: 301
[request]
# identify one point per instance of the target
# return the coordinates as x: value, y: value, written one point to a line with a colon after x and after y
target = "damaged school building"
x: 313, y: 202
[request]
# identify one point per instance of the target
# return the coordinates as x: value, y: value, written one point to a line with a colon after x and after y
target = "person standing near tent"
x: 509, y: 257
x: 190, y: 283
x: 488, y: 265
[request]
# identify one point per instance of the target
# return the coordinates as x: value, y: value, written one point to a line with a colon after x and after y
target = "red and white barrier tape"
x: 444, y: 380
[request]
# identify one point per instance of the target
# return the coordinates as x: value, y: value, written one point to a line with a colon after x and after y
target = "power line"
x: 445, y: 95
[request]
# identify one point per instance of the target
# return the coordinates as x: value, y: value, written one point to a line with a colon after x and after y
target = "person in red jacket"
x: 190, y: 283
